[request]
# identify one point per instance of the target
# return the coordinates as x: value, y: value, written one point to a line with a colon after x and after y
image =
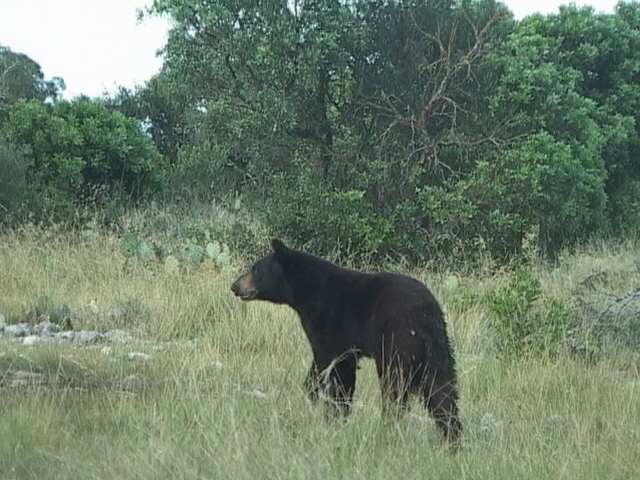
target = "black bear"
x: 346, y: 314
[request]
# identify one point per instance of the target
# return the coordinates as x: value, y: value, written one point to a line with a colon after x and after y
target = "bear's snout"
x: 243, y: 287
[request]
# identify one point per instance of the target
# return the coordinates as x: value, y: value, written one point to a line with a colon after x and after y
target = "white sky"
x: 94, y: 45
x: 97, y: 45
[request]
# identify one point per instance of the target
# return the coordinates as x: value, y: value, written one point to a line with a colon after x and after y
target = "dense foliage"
x: 69, y: 154
x: 402, y: 128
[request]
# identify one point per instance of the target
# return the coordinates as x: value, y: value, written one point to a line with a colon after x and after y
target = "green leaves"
x: 21, y: 78
x: 219, y: 254
x: 131, y: 246
x: 14, y: 191
x: 189, y: 255
x: 79, y: 150
x: 524, y: 321
x: 394, y: 126
x: 380, y: 124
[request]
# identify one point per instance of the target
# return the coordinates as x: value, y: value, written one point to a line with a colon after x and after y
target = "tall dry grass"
x: 86, y: 412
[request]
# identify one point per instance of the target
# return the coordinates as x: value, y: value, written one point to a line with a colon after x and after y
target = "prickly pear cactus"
x: 219, y: 254
x: 133, y: 246
x: 171, y: 264
x: 193, y: 254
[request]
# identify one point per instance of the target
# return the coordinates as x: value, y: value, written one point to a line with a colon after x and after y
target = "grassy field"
x: 220, y: 395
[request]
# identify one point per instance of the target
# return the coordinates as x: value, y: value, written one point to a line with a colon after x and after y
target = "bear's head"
x: 266, y: 279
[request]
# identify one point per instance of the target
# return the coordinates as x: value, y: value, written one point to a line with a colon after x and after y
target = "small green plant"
x: 524, y: 321
x: 193, y: 254
x: 216, y: 251
x: 133, y: 246
x: 219, y: 254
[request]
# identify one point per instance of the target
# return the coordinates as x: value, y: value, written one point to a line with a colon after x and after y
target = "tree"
x: 604, y: 51
x: 21, y: 78
x: 418, y: 85
x: 264, y: 76
x: 77, y: 149
x: 14, y: 191
x: 554, y: 175
x: 402, y: 126
x: 161, y: 111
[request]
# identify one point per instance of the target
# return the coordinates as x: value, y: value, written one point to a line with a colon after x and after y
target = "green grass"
x: 73, y: 412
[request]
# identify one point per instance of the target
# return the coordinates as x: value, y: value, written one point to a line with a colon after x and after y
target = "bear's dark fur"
x: 346, y: 314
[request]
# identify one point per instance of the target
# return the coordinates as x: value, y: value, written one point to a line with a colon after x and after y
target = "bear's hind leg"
x: 441, y: 399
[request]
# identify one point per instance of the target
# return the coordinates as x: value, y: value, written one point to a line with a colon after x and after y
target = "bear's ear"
x: 278, y: 246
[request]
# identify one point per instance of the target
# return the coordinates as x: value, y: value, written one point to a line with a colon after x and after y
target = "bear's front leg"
x: 333, y: 381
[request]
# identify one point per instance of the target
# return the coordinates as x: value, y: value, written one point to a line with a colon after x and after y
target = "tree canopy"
x: 392, y: 126
x: 22, y: 78
x: 57, y: 155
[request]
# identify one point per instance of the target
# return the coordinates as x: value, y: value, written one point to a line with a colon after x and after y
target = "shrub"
x: 80, y: 152
x: 525, y: 322
x: 328, y: 221
x: 14, y: 192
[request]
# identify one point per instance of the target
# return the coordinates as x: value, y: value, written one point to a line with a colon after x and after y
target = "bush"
x: 202, y: 174
x: 14, y: 191
x: 326, y: 220
x: 79, y: 153
x: 625, y: 209
x: 524, y: 322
